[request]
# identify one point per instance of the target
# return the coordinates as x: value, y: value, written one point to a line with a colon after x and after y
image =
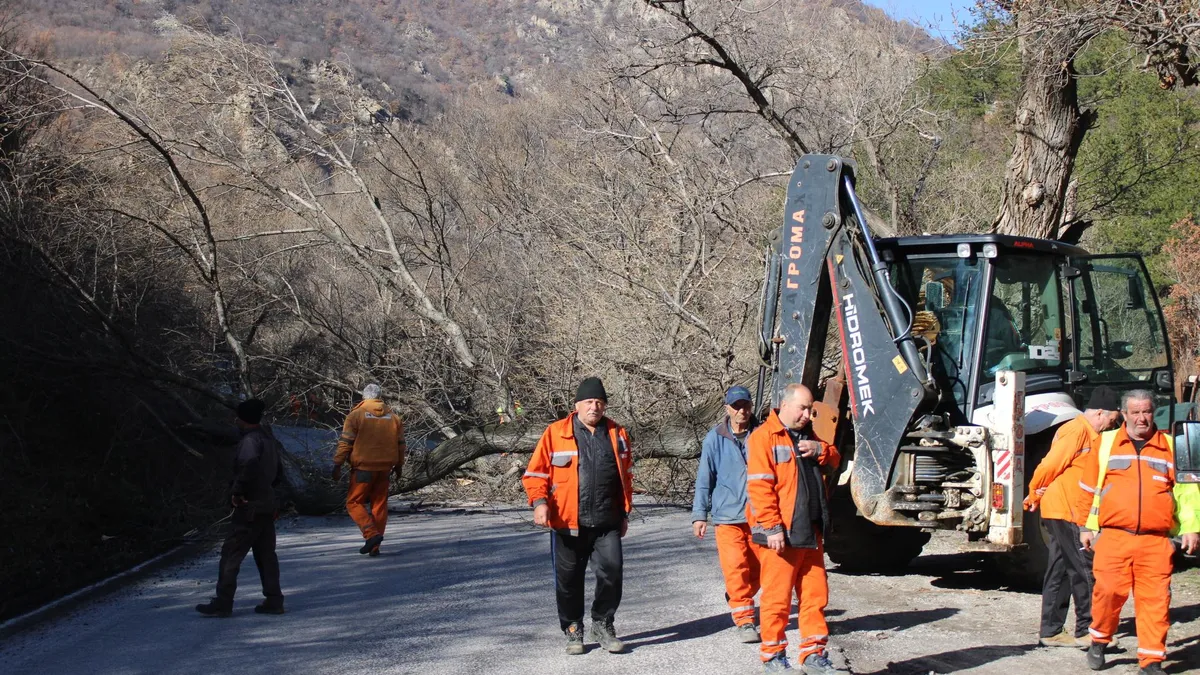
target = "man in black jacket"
x: 258, y: 468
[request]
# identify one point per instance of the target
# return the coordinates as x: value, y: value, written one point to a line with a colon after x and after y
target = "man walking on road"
x: 789, y: 513
x: 258, y: 468
x: 1135, y: 510
x: 1055, y: 489
x: 721, y: 492
x: 373, y: 441
x: 580, y: 484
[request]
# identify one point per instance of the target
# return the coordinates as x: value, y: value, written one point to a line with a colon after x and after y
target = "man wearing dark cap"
x: 1055, y: 489
x: 258, y: 468
x: 721, y: 493
x: 580, y: 484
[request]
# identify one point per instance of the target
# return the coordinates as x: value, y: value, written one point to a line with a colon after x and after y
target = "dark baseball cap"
x: 736, y: 394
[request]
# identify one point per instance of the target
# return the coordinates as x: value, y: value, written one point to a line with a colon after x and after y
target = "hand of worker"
x: 1030, y: 504
x: 541, y: 515
x: 1086, y: 537
x: 337, y: 472
x: 1191, y: 541
x: 238, y: 500
x: 699, y: 527
x: 808, y: 449
x: 624, y: 527
x: 775, y: 542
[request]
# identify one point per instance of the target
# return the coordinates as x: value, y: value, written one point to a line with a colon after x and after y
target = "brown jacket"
x: 372, y: 438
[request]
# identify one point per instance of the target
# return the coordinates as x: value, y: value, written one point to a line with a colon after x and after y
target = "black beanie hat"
x: 251, y: 410
x: 1104, y: 398
x: 591, y: 387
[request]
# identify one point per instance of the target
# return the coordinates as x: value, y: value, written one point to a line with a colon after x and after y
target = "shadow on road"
x: 688, y: 630
x: 953, y: 661
x: 959, y: 571
x: 892, y: 620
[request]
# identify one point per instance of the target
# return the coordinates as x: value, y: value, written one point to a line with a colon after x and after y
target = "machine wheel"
x: 1026, y: 567
x: 856, y: 544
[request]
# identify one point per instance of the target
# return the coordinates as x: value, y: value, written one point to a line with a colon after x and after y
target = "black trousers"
x: 250, y: 532
x: 601, y: 546
x: 1068, y: 574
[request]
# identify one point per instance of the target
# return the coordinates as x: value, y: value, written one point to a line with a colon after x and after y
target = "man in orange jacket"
x: 580, y: 484
x: 1055, y: 489
x: 1132, y: 471
x: 788, y: 513
x: 373, y: 441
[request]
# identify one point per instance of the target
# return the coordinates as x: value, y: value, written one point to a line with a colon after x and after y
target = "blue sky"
x: 936, y: 16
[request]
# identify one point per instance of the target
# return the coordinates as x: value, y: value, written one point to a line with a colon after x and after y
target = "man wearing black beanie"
x: 258, y: 468
x: 580, y: 484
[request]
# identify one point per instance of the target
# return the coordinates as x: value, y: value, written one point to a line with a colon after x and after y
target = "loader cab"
x: 1069, y: 320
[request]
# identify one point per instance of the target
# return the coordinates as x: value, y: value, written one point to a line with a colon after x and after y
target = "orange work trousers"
x: 739, y: 563
x: 371, y: 521
x: 1141, y: 563
x: 800, y: 571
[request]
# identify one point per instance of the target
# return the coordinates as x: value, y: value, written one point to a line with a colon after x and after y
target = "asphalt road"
x: 471, y: 592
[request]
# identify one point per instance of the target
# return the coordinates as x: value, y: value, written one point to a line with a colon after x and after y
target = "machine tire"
x: 857, y: 545
x: 1025, y: 568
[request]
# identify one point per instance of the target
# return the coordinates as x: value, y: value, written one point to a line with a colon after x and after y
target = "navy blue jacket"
x: 721, y: 477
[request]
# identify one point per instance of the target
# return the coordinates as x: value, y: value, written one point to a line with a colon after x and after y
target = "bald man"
x: 789, y: 515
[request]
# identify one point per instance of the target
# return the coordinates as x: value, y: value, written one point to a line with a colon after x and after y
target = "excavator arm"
x: 822, y: 265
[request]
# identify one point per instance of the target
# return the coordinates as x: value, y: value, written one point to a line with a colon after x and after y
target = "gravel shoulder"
x: 468, y: 591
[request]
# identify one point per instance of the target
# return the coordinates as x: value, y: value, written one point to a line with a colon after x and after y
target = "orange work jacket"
x: 1137, y: 492
x: 553, y: 472
x: 372, y: 438
x: 1061, y: 471
x: 772, y: 475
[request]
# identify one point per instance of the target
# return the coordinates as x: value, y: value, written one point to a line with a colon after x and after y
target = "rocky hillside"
x: 420, y: 50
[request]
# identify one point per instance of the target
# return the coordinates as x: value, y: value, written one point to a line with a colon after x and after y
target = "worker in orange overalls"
x: 373, y: 442
x: 721, y: 493
x: 789, y: 514
x: 1055, y: 489
x: 1134, y: 512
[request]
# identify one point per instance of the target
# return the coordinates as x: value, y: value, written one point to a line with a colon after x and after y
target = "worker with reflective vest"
x: 1136, y: 508
x: 1054, y: 491
x: 788, y: 514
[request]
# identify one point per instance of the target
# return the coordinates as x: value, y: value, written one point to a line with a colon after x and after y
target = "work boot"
x: 371, y: 543
x: 269, y: 606
x: 818, y: 664
x: 748, y: 633
x: 574, y: 634
x: 777, y: 663
x: 604, y: 633
x: 216, y: 607
x: 1152, y: 669
x: 1084, y: 641
x: 1095, y: 655
x: 374, y: 553
x: 1063, y: 639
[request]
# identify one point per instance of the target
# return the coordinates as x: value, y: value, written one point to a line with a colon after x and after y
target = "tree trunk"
x: 1049, y: 127
x: 680, y: 439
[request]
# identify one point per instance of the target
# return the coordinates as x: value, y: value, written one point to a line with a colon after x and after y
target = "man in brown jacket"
x: 373, y: 440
